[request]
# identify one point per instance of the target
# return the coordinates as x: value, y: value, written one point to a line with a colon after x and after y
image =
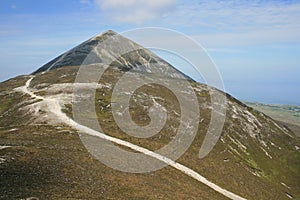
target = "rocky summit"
x: 113, y: 49
x: 42, y: 155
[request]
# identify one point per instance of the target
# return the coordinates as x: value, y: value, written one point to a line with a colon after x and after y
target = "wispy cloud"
x: 237, y: 15
x: 215, y: 24
x: 135, y: 11
x: 230, y: 23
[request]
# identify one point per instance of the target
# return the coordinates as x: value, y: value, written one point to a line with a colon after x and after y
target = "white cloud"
x: 135, y: 11
x: 230, y: 23
x: 237, y: 15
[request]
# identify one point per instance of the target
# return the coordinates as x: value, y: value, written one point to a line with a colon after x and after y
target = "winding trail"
x: 55, y: 108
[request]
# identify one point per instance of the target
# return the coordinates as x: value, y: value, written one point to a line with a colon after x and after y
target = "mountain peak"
x: 105, y: 34
x: 135, y: 57
x: 111, y: 32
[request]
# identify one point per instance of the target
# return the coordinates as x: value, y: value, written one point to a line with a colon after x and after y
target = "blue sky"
x: 255, y: 44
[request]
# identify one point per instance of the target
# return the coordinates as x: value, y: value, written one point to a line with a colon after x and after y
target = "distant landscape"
x: 287, y: 114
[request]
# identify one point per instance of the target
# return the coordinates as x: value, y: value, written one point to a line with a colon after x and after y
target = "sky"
x: 254, y: 44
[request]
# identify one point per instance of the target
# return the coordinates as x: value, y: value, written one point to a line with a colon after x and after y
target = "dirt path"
x: 55, y: 108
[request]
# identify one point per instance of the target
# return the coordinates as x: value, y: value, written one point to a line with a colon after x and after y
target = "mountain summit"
x: 111, y: 46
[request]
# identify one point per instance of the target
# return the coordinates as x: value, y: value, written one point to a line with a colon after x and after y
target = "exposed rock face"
x: 116, y: 50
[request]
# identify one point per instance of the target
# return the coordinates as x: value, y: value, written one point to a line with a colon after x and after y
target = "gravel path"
x: 55, y: 108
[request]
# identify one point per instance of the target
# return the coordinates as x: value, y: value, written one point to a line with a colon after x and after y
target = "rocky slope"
x: 41, y: 154
x: 115, y: 50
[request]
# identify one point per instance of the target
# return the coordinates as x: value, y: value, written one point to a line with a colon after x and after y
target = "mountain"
x: 42, y: 146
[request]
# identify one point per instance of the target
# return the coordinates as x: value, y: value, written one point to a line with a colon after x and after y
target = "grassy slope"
x: 51, y: 163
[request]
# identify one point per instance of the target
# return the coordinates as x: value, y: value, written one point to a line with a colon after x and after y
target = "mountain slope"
x: 41, y: 154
